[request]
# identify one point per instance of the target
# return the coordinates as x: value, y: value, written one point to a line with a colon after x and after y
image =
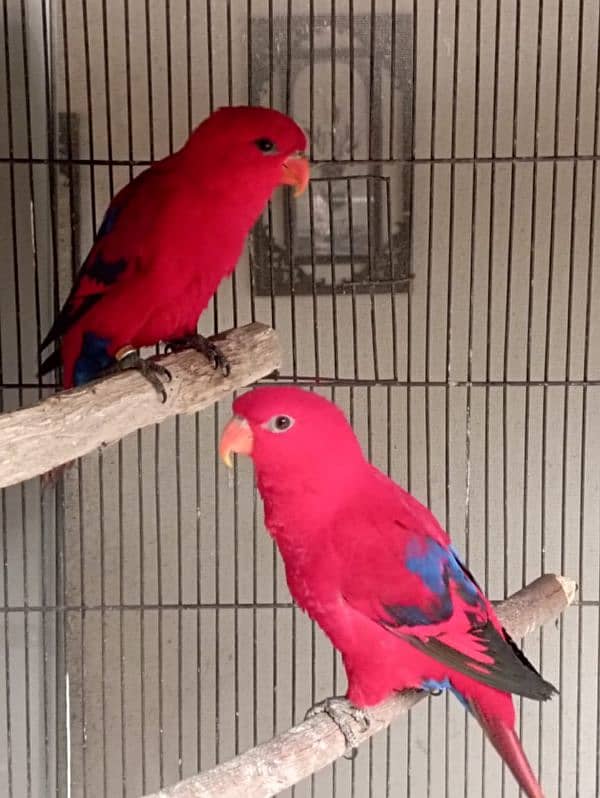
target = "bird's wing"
x: 417, y: 588
x: 112, y: 258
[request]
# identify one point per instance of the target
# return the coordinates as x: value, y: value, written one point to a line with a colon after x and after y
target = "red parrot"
x: 167, y: 240
x: 372, y: 566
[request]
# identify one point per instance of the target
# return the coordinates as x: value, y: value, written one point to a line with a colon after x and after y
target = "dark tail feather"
x: 508, y: 745
x: 52, y: 362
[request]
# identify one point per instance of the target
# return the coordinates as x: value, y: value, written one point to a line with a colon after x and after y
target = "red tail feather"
x: 508, y: 745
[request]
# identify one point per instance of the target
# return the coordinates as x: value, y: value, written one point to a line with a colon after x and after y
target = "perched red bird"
x: 167, y: 240
x: 373, y: 567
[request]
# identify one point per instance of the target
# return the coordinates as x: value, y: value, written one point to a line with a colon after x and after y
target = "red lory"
x: 372, y: 566
x: 167, y: 240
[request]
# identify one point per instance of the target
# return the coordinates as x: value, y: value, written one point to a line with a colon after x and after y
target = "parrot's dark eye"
x: 266, y: 145
x: 280, y: 423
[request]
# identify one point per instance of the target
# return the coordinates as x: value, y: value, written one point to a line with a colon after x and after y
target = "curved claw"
x: 151, y: 372
x: 219, y: 361
x: 203, y: 345
x: 149, y: 369
x: 160, y: 369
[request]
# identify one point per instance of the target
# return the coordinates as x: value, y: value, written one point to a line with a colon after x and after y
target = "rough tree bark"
x: 292, y: 756
x: 72, y: 423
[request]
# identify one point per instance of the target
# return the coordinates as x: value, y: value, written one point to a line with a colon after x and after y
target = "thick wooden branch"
x: 292, y: 756
x: 72, y: 423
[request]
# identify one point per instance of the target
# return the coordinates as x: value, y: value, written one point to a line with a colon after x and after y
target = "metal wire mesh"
x: 146, y: 627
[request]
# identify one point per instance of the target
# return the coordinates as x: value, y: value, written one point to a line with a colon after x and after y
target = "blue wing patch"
x: 463, y: 579
x: 438, y: 568
x: 429, y: 563
x: 93, y: 359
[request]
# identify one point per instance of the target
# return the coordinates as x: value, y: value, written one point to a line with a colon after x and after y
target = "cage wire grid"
x: 147, y: 631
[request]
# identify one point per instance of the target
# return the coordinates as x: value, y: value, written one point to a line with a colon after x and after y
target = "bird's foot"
x: 203, y: 345
x: 346, y: 717
x: 128, y: 358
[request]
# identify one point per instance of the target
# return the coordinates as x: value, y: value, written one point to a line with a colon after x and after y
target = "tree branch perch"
x: 292, y: 756
x: 72, y: 423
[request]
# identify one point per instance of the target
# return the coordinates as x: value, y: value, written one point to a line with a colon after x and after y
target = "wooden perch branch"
x: 73, y: 423
x: 292, y: 756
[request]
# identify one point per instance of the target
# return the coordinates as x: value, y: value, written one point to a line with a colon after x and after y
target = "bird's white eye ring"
x: 279, y: 423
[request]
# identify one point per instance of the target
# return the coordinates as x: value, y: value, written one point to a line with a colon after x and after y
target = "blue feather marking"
x: 106, y: 272
x: 109, y: 221
x: 464, y: 582
x: 433, y: 686
x: 93, y: 358
x: 410, y: 616
x: 429, y: 564
x: 438, y: 568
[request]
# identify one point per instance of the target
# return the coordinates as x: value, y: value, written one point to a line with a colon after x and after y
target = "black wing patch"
x: 509, y: 671
x: 518, y: 652
x: 103, y: 272
x: 411, y: 615
x: 66, y: 318
x: 106, y: 272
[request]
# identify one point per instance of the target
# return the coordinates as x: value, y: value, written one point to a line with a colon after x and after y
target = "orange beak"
x: 296, y: 172
x: 236, y: 439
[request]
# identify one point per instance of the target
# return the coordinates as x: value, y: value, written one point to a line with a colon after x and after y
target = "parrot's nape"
x: 167, y: 240
x: 373, y: 567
